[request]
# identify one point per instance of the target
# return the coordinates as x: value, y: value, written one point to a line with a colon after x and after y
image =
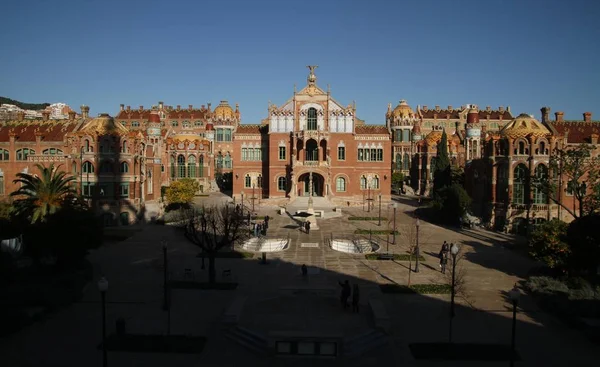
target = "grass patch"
x: 397, y: 257
x: 189, y: 284
x: 416, y: 288
x: 462, y: 351
x: 138, y: 343
x: 366, y: 218
x: 231, y: 255
x: 366, y: 231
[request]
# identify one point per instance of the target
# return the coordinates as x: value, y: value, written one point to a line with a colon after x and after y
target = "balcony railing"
x: 45, y: 158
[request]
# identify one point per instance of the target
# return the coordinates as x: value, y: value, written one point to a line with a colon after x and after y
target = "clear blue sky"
x: 522, y: 53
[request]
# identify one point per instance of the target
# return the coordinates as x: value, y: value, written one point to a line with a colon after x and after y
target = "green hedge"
x: 366, y: 231
x: 367, y: 218
x: 397, y: 257
x: 416, y: 288
x: 231, y: 255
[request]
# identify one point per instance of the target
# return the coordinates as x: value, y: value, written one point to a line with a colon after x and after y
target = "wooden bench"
x: 380, y: 316
x: 306, y: 289
x: 234, y: 311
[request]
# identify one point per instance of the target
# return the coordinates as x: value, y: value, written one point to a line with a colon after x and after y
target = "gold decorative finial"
x: 312, y: 78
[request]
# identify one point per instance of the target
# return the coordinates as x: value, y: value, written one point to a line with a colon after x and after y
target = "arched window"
x: 191, y: 166
x: 180, y: 166
x: 398, y: 161
x: 281, y: 184
x: 519, y: 184
x: 219, y: 161
x: 106, y: 146
x: 375, y: 182
x: 22, y: 154
x: 87, y: 146
x: 227, y: 163
x: 521, y: 147
x: 406, y: 162
x: 124, y: 147
x: 52, y: 151
x: 197, y: 123
x: 363, y: 183
x: 88, y: 167
x: 201, y: 167
x: 173, y: 168
x: 542, y: 149
x: 540, y: 196
x: 4, y: 155
x: 312, y: 151
x: 135, y: 124
x: 340, y: 184
x: 247, y: 181
x: 124, y: 167
x: 106, y: 167
x: 311, y: 121
x: 185, y: 124
x: 259, y: 181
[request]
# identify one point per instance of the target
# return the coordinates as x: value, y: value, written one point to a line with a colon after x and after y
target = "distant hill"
x: 25, y: 106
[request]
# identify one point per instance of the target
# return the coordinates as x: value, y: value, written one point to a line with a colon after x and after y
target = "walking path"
x: 134, y: 270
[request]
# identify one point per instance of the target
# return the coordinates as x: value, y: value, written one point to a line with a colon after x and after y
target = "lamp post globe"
x: 454, y: 250
x: 103, y: 285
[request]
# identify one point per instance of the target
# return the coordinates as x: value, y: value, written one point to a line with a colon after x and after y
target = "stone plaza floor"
x: 134, y: 271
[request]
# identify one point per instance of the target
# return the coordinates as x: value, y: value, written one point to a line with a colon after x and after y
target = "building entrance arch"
x: 318, y: 184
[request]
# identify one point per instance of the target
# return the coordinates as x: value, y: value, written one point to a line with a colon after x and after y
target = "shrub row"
x: 416, y: 288
x: 367, y: 218
x: 397, y: 257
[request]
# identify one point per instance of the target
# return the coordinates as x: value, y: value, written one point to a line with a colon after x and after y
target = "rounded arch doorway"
x: 318, y: 184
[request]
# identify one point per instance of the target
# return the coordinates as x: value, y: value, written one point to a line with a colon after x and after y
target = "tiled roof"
x: 495, y: 115
x: 249, y: 129
x: 579, y: 131
x: 52, y: 130
x: 188, y: 114
x: 524, y: 125
x: 371, y: 129
x: 441, y: 114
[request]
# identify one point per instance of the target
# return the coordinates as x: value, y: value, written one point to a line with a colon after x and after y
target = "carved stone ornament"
x: 201, y: 147
x: 181, y: 145
x: 191, y: 146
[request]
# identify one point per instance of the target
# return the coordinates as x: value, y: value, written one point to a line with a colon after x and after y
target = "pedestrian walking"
x: 307, y: 227
x: 304, y: 270
x: 443, y: 253
x: 345, y: 294
x: 355, y: 298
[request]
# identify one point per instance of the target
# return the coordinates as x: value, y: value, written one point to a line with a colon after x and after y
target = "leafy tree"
x: 397, y: 179
x: 442, y: 175
x: 584, y: 240
x: 580, y: 171
x: 182, y: 191
x: 25, y: 106
x: 213, y: 229
x: 43, y: 195
x: 454, y: 203
x: 548, y: 243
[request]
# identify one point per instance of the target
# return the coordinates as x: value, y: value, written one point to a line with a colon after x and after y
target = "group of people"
x: 348, y: 291
x: 260, y: 228
x: 443, y: 255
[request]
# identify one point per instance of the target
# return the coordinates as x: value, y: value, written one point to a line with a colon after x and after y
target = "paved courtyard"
x: 134, y: 270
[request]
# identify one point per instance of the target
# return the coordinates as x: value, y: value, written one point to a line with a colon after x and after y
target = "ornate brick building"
x: 312, y: 140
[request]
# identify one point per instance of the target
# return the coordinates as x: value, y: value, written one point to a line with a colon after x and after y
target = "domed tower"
x: 473, y: 132
x: 223, y: 111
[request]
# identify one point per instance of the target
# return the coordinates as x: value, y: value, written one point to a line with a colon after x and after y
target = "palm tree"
x: 41, y: 196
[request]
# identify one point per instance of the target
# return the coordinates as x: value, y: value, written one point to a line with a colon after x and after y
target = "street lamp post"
x: 103, y: 287
x: 394, y: 205
x: 203, y: 224
x: 165, y: 276
x: 242, y: 192
x: 369, y: 198
x: 253, y: 198
x: 514, y: 295
x: 379, y: 224
x: 417, y: 249
x: 454, y: 252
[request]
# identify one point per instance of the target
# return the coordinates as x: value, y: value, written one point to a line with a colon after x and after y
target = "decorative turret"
x: 312, y: 78
x: 473, y: 139
x: 210, y: 132
x: 153, y: 124
x: 416, y: 131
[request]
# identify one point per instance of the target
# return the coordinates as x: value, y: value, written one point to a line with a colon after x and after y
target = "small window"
x: 247, y: 181
x: 88, y: 167
x: 22, y: 154
x: 341, y: 153
x: 281, y: 184
x: 340, y: 184
x: 124, y: 167
x: 4, y: 155
x: 124, y: 190
x: 174, y: 123
x: 363, y: 183
x: 281, y: 153
x: 135, y: 124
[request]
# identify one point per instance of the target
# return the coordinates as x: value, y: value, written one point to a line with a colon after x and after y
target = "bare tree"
x: 409, y: 234
x: 213, y: 229
x: 456, y: 265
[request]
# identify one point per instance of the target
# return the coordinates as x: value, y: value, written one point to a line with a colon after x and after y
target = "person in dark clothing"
x: 346, y: 291
x: 355, y: 298
x: 304, y: 270
x: 307, y: 227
